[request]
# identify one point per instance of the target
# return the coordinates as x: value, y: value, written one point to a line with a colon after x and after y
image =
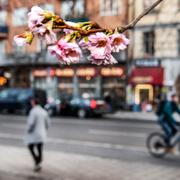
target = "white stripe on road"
x: 80, y: 143
x: 13, y: 125
x: 116, y: 133
x: 96, y: 123
x: 106, y: 123
x: 91, y: 131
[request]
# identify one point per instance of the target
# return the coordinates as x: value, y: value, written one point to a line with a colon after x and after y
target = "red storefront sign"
x: 147, y: 75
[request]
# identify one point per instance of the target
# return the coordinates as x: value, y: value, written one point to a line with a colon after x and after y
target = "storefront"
x: 94, y: 80
x: 5, y: 77
x: 146, y: 84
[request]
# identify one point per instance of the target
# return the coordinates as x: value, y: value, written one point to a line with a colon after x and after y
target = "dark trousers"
x: 168, y: 128
x: 36, y: 151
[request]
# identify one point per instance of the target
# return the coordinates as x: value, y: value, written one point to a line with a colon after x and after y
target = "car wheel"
x: 81, y: 113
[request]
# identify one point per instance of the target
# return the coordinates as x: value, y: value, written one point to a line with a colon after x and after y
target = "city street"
x: 119, y: 145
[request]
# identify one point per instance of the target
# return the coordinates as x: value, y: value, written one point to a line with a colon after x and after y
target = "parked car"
x: 53, y: 107
x: 18, y: 99
x: 84, y: 107
x: 79, y: 106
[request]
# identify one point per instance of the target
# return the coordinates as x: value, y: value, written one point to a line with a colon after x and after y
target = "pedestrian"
x: 36, y: 132
x: 168, y: 122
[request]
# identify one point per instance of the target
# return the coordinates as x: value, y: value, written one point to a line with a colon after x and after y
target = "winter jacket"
x: 169, y: 109
x: 37, y: 124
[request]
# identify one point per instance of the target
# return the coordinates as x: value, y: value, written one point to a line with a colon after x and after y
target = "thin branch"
x: 136, y: 20
x: 97, y: 28
x: 87, y: 28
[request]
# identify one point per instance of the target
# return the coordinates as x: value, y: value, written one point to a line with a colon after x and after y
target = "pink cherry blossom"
x: 66, y: 52
x: 50, y: 37
x: 20, y: 41
x: 23, y: 39
x: 84, y: 44
x: 100, y: 48
x: 35, y: 17
x: 40, y: 31
x: 98, y: 57
x: 118, y: 42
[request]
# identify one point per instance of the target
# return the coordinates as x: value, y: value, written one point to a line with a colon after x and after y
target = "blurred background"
x: 125, y: 95
x: 148, y: 68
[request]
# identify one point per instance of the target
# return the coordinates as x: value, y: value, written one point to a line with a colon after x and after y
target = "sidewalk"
x: 16, y: 163
x: 126, y: 115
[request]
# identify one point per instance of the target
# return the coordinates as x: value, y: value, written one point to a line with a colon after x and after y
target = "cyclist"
x: 160, y: 113
x: 169, y: 124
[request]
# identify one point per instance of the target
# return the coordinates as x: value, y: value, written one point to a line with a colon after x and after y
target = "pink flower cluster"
x: 36, y: 26
x: 23, y: 39
x: 68, y: 49
x: 66, y: 52
x: 101, y: 46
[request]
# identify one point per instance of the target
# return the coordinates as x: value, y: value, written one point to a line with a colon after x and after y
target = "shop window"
x: 20, y: 16
x: 3, y: 15
x: 72, y: 8
x: 143, y: 92
x: 110, y: 7
x: 149, y: 43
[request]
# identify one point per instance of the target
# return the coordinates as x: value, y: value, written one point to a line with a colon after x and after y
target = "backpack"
x: 160, y: 108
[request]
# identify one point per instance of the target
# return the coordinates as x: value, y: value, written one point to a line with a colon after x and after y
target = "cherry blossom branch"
x: 96, y: 28
x: 136, y: 20
x: 90, y: 36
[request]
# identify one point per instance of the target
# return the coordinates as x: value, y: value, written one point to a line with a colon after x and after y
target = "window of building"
x: 3, y: 4
x: 2, y: 48
x: 20, y: 16
x: 149, y: 43
x: 178, y: 5
x: 110, y: 7
x: 69, y: 9
x: 48, y: 7
x: 3, y: 15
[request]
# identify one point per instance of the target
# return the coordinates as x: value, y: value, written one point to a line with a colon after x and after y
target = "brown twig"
x: 136, y: 20
x: 96, y: 28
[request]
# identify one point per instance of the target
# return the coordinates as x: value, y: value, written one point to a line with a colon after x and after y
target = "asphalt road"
x: 122, y: 140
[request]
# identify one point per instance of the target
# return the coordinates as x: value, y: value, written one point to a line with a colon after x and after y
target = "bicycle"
x: 157, y: 145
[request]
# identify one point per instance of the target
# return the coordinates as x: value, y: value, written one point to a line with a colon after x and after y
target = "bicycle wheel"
x: 156, y: 145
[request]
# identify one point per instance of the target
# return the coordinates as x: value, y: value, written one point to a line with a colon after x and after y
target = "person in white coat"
x: 36, y: 132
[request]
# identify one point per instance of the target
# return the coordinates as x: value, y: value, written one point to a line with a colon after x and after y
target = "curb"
x: 128, y: 118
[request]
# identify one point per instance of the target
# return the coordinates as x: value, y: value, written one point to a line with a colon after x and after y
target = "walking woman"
x: 36, y: 132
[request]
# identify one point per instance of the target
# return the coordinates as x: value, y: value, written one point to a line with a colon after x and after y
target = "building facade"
x: 155, y: 52
x: 33, y: 67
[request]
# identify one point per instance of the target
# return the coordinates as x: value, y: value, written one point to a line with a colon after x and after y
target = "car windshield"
x: 24, y: 94
x: 15, y: 94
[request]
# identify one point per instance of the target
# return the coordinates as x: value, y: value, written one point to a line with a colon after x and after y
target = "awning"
x: 147, y: 75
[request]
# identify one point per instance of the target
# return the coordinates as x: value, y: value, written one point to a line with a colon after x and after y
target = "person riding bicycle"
x: 166, y: 119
